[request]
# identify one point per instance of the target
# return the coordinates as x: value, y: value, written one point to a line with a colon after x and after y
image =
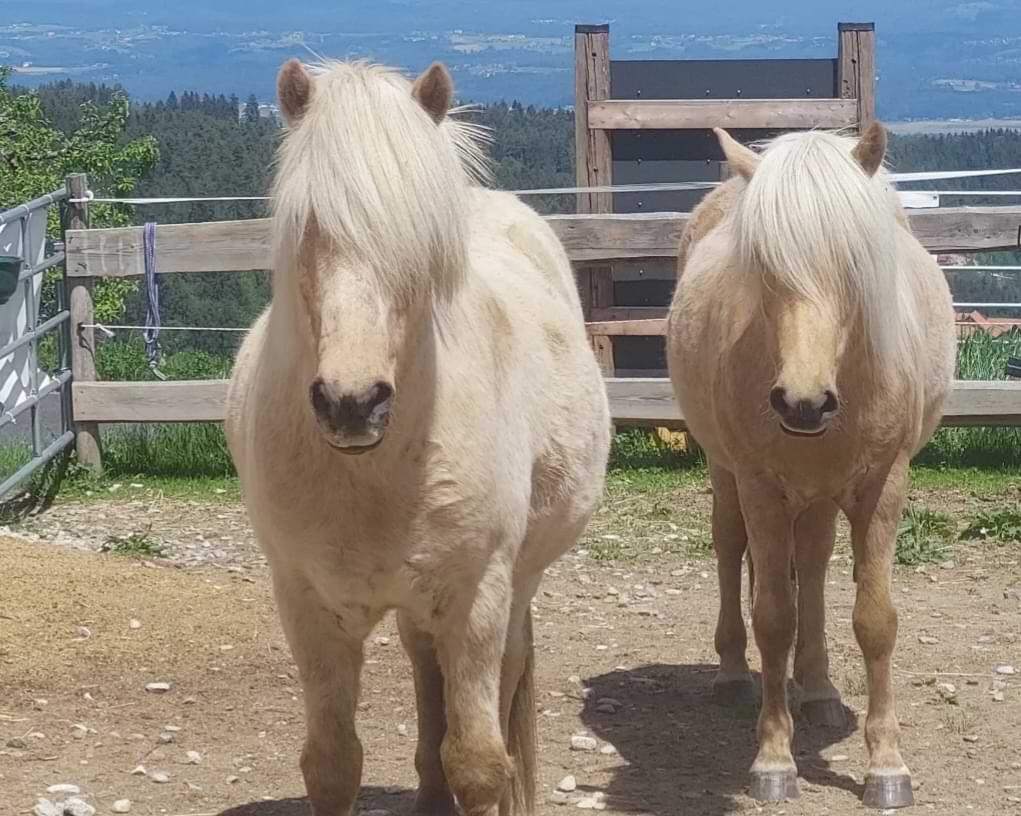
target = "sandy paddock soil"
x: 82, y: 634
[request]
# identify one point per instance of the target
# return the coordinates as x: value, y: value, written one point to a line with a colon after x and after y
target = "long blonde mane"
x: 813, y: 223
x: 376, y: 176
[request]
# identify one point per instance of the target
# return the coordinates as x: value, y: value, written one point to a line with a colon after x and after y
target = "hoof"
x: 774, y: 786
x: 737, y: 692
x: 826, y: 713
x: 884, y: 792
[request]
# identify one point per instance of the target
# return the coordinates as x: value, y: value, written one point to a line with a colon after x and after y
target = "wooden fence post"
x: 856, y: 68
x: 83, y: 337
x: 593, y: 167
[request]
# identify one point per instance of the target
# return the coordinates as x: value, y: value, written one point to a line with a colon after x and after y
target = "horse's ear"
x: 871, y: 148
x: 742, y: 160
x: 434, y: 90
x: 294, y: 90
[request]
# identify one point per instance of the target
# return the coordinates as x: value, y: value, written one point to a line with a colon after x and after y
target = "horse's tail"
x: 521, y: 735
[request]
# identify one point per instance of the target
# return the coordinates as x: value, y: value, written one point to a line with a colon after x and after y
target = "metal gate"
x: 27, y: 252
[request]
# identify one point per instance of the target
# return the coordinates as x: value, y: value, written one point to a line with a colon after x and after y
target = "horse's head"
x: 369, y: 201
x: 813, y: 222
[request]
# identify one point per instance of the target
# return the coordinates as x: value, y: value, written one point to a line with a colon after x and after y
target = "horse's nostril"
x: 320, y: 396
x: 380, y: 393
x: 831, y: 403
x: 778, y: 400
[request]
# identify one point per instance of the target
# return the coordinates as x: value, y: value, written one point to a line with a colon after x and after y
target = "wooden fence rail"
x: 641, y: 401
x: 242, y: 246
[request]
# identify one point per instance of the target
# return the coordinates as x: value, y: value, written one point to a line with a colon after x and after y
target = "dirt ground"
x: 82, y: 634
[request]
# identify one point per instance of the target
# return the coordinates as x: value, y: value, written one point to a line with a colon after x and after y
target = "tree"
x: 251, y: 110
x: 35, y: 157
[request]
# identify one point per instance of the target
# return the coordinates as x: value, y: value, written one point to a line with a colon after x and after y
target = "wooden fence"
x: 239, y: 246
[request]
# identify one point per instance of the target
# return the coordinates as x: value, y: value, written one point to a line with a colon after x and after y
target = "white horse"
x: 811, y: 346
x: 419, y: 424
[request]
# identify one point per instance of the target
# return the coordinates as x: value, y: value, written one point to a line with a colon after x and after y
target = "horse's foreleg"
x: 733, y: 683
x: 328, y: 650
x: 770, y: 537
x: 471, y: 649
x: 874, y: 522
x: 434, y: 796
x: 814, y: 534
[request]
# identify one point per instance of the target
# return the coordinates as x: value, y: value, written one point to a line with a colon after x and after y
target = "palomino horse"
x: 419, y: 424
x: 811, y: 347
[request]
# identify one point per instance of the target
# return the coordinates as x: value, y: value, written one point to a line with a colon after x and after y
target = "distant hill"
x: 937, y: 58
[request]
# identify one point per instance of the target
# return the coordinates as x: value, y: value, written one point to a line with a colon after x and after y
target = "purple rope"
x: 151, y: 333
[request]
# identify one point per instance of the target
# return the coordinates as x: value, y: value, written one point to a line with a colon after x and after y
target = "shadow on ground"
x: 396, y: 801
x: 686, y: 754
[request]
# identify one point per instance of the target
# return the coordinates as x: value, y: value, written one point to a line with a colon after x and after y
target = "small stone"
x: 78, y: 731
x: 382, y: 641
x: 948, y: 691
x: 402, y: 729
x: 581, y: 742
x: 39, y: 704
x: 559, y: 798
x: 1005, y: 670
x: 76, y: 807
x: 568, y: 784
x: 84, y: 633
x: 64, y: 790
x: 928, y: 640
x: 233, y: 780
x: 608, y: 750
x: 838, y: 758
x: 970, y: 738
x: 604, y: 708
x: 998, y: 697
x: 134, y: 623
x: 166, y: 738
x: 121, y: 806
x: 173, y: 729
x: 139, y: 770
x: 194, y: 758
x: 157, y: 688
x: 160, y: 777
x: 17, y: 743
x: 44, y: 807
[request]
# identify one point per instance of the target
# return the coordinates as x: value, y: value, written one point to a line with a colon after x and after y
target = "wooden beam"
x: 971, y: 403
x: 244, y: 245
x: 630, y: 313
x: 700, y: 114
x: 643, y: 401
x: 627, y: 328
x: 856, y: 68
x: 177, y: 401
x: 593, y: 166
x: 210, y: 246
x: 88, y: 444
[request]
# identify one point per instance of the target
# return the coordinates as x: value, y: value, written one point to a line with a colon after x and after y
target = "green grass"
x: 135, y: 545
x: 1002, y: 525
x: 924, y: 537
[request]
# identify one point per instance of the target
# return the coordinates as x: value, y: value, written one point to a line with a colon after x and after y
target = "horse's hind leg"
x: 733, y: 683
x: 874, y: 523
x: 814, y: 534
x: 517, y: 707
x: 470, y: 646
x: 328, y: 650
x: 434, y: 796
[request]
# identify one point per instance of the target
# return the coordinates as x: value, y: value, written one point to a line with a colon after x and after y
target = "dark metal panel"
x: 723, y: 79
x: 648, y: 292
x: 638, y: 353
x: 658, y: 172
x: 677, y: 145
